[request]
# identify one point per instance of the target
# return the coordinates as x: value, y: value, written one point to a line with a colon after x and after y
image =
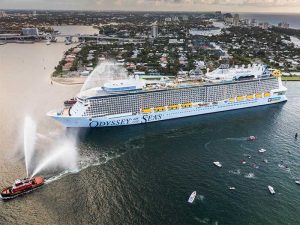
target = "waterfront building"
x: 30, y: 31
x: 283, y: 25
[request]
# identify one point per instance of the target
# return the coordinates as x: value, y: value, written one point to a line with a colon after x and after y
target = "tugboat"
x: 22, y: 186
x: 70, y: 102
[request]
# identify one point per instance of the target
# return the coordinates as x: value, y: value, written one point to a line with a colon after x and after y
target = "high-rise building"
x: 218, y: 15
x: 265, y: 25
x: 185, y: 18
x: 283, y: 25
x: 2, y: 14
x: 236, y: 20
x: 228, y: 18
x: 154, y: 32
x: 253, y: 22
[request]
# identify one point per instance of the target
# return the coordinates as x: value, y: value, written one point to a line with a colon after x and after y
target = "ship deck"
x: 100, y: 92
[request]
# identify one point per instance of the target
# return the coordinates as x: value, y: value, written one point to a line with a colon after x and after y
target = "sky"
x: 280, y: 6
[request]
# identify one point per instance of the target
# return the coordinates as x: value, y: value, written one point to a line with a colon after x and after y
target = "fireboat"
x: 22, y: 186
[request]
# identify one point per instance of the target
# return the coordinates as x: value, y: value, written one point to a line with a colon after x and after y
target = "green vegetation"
x: 290, y: 78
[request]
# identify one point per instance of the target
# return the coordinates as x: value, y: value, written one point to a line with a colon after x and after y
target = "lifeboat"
x: 232, y: 99
x: 187, y: 105
x: 249, y: 97
x: 240, y: 98
x: 171, y: 107
x: 70, y: 102
x: 159, y: 109
x: 22, y: 186
x: 267, y: 94
x: 258, y: 95
x: 146, y: 110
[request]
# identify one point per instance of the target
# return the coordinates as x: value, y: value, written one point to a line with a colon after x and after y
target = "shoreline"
x: 67, y: 80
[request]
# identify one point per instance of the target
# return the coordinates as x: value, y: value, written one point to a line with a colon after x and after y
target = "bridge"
x: 67, y: 37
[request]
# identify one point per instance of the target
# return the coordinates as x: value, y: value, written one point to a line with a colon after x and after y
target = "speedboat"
x: 192, y: 197
x: 231, y: 188
x: 297, y: 182
x: 271, y: 189
x: 218, y: 164
x: 262, y: 150
x: 22, y: 186
x: 251, y: 138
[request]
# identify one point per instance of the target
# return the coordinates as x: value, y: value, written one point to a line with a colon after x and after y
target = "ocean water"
x: 293, y: 19
x: 145, y: 174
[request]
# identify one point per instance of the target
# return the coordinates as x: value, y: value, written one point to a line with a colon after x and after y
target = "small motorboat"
x: 262, y: 150
x: 218, y: 164
x: 265, y: 161
x: 271, y: 189
x: 22, y: 186
x: 70, y: 102
x: 251, y: 138
x: 297, y: 182
x: 192, y: 197
x: 231, y: 188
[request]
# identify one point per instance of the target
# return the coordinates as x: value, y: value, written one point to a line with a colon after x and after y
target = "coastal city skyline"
x: 271, y: 6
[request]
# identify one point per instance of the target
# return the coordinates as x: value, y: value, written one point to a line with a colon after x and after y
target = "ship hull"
x: 124, y: 120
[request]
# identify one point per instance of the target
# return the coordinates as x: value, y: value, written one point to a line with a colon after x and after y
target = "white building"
x: 2, y: 14
x: 30, y: 31
x: 154, y: 31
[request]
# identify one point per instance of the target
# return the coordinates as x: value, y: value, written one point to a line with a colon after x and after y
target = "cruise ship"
x: 136, y: 101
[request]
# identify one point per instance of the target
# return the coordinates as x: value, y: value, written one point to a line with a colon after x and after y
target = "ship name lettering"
x: 150, y: 118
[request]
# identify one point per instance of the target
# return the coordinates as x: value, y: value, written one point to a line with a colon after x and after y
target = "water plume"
x: 63, y: 155
x: 29, y: 141
x: 107, y: 70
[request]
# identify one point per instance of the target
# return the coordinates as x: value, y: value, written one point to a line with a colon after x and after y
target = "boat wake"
x: 235, y: 172
x: 250, y: 176
x: 237, y: 139
x: 84, y: 163
x: 200, y: 198
x: 206, y: 146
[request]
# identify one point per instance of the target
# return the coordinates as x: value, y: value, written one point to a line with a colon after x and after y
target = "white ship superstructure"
x: 135, y: 101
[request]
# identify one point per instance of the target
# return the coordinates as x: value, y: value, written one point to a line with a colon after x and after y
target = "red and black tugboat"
x: 22, y: 186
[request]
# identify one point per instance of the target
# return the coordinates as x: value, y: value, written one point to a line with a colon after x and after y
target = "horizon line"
x: 146, y: 11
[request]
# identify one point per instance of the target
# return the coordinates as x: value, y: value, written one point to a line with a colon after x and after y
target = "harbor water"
x: 144, y: 174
